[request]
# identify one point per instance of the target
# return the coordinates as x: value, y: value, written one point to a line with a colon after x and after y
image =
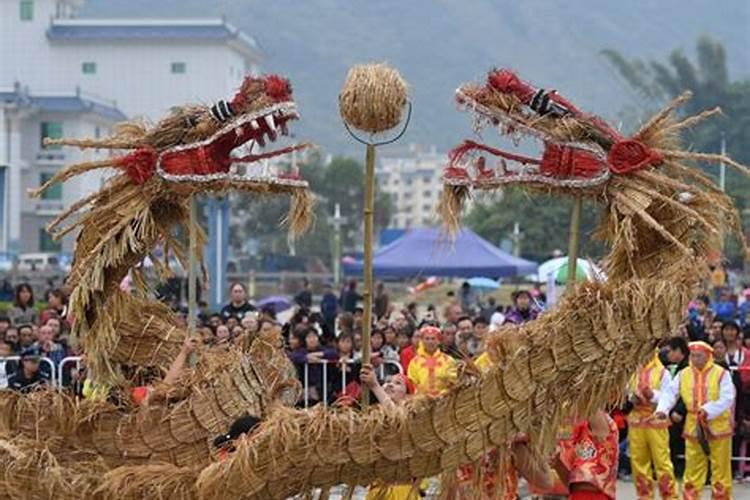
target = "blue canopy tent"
x: 429, y: 252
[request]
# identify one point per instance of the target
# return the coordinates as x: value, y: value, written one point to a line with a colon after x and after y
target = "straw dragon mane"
x: 660, y: 216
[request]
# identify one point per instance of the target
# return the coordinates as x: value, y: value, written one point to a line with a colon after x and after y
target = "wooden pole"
x: 192, y: 300
x: 575, y: 232
x: 367, y: 293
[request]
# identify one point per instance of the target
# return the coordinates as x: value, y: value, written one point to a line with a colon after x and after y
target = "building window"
x: 52, y: 130
x: 427, y: 180
x: 426, y: 193
x: 26, y: 10
x: 178, y: 68
x: 88, y: 68
x: 54, y: 192
x: 426, y: 207
x: 407, y: 196
x: 46, y: 243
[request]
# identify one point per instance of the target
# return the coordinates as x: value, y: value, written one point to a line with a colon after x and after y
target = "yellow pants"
x: 696, y: 469
x: 649, y: 446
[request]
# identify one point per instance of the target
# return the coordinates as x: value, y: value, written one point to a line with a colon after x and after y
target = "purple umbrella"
x: 276, y: 302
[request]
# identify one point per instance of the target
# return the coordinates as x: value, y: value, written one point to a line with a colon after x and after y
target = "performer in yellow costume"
x: 649, y: 438
x: 431, y: 371
x: 708, y: 393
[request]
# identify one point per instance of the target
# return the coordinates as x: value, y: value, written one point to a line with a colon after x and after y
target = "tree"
x: 340, y: 181
x: 708, y: 80
x: 544, y: 222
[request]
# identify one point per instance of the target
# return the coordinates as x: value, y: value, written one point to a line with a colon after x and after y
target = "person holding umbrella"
x: 708, y: 393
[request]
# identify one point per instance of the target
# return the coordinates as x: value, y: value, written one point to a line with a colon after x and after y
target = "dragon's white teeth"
x: 261, y: 142
x: 284, y: 129
x: 254, y: 125
x: 271, y: 123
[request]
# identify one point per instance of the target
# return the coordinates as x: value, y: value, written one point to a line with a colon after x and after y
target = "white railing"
x: 49, y: 362
x: 323, y: 363
x: 61, y: 368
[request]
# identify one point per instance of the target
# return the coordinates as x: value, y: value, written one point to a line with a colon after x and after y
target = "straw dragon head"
x: 578, y: 150
x: 211, y: 145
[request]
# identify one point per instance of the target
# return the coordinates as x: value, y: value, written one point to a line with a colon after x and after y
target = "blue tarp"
x: 429, y: 252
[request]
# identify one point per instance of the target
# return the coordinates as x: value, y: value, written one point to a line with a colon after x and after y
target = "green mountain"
x: 438, y: 44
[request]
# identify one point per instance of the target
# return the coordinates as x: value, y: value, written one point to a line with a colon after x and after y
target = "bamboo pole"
x: 573, y: 242
x: 367, y: 293
x: 192, y: 300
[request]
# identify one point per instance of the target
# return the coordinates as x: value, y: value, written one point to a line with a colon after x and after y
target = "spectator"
x: 350, y: 298
x: 448, y: 345
x: 735, y: 355
x: 382, y: 302
x: 431, y: 371
x: 678, y: 359
x: 46, y: 347
x: 23, y: 310
x: 4, y: 326
x: 29, y: 377
x: 720, y: 352
x: 408, y: 353
x: 11, y: 338
x: 346, y: 323
x: 725, y: 308
x: 464, y: 333
x: 390, y: 347
x: 7, y: 368
x: 452, y: 313
x: 714, y: 332
x: 58, y: 302
x: 232, y: 322
x: 468, y: 298
x: 329, y: 307
x: 402, y: 340
x: 487, y: 311
x: 313, y: 355
x: 522, y: 312
x: 497, y: 319
x: 214, y: 321
x: 743, y: 311
x: 475, y: 343
x: 223, y: 337
x: 304, y: 297
x: 250, y: 324
x: 25, y: 337
x: 699, y: 318
x: 238, y: 305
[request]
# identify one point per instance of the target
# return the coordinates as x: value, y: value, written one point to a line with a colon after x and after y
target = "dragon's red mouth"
x: 239, y: 152
x: 561, y: 163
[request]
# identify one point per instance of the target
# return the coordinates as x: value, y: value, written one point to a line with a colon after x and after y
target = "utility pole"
x: 722, y: 167
x: 515, y: 238
x: 337, y: 221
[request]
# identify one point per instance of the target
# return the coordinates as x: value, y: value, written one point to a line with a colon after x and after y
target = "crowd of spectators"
x: 323, y: 338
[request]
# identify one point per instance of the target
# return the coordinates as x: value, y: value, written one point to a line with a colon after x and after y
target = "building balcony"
x: 46, y: 157
x: 47, y: 207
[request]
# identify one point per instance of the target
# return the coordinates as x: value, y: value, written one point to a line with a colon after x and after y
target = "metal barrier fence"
x: 52, y: 371
x: 325, y: 363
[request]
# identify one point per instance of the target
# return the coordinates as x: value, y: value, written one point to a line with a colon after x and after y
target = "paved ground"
x: 625, y: 491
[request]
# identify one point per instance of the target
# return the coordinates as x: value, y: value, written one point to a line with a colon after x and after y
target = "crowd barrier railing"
x: 52, y: 370
x: 325, y: 363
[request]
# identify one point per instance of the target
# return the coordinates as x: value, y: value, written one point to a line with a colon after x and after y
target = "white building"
x: 102, y: 69
x: 413, y: 179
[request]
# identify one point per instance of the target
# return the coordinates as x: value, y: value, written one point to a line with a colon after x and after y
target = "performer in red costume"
x: 587, y: 461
